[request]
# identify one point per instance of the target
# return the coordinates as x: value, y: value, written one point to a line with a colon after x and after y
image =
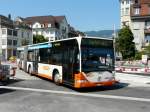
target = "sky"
x: 83, y: 15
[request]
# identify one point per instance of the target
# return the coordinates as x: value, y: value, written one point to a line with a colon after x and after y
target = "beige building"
x: 125, y: 12
x: 136, y: 15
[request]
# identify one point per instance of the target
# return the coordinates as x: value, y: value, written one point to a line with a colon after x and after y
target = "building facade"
x: 51, y: 27
x: 10, y: 35
x: 138, y: 20
x: 25, y: 35
x: 125, y: 12
x: 140, y: 16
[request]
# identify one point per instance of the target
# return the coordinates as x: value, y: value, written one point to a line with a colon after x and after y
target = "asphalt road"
x: 27, y: 93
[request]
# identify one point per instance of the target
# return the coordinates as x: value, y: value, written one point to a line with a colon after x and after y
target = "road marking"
x: 78, y: 94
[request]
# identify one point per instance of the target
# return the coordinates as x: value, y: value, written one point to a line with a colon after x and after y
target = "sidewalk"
x: 25, y: 76
x: 133, y: 79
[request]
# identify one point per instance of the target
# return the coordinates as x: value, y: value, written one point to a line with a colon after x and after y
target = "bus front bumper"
x: 84, y: 83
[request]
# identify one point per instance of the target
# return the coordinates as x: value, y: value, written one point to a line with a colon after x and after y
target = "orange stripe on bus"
x: 45, y: 76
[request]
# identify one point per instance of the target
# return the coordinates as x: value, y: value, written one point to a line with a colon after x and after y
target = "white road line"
x: 78, y: 94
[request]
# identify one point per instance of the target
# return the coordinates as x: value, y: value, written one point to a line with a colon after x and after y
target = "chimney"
x: 9, y: 16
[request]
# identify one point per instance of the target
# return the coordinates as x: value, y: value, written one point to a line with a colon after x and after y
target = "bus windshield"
x: 97, y: 56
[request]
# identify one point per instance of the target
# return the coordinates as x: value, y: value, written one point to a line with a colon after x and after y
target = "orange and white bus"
x: 78, y: 62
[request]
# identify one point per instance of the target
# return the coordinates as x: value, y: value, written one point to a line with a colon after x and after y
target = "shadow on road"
x: 117, y: 86
x: 4, y: 91
x: 10, y: 81
x: 103, y: 88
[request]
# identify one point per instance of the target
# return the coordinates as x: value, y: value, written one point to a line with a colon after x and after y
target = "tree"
x: 24, y: 42
x: 39, y: 39
x: 125, y: 44
x: 147, y: 50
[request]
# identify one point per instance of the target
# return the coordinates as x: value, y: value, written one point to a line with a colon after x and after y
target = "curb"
x: 133, y: 78
x: 133, y: 70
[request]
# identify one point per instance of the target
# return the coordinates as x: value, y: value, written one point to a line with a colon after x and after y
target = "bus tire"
x: 29, y: 70
x: 56, y: 78
x: 19, y: 65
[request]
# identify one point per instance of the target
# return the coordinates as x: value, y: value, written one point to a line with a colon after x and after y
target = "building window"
x: 137, y: 11
x: 9, y: 32
x: 49, y: 25
x: 127, y: 11
x: 136, y: 1
x: 149, y: 9
x: 22, y: 34
x: 122, y: 11
x: 147, y: 25
x: 36, y: 26
x: 3, y: 53
x: 14, y: 42
x: 9, y: 42
x: 51, y: 32
x: 136, y: 26
x: 3, y: 31
x: 128, y: 2
x: 28, y: 34
x: 51, y: 39
x: 147, y: 38
x: 14, y: 33
x: 14, y: 52
x: 47, y: 32
x: 36, y: 33
x: 3, y: 41
x: 122, y: 2
x: 42, y: 25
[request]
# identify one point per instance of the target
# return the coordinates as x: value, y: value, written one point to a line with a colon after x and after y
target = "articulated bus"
x: 78, y: 62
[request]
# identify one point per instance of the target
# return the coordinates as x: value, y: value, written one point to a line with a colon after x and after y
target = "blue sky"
x: 84, y: 15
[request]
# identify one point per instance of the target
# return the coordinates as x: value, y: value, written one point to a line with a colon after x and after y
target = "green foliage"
x: 147, y: 50
x: 39, y: 39
x: 24, y: 42
x: 125, y: 44
x: 138, y: 55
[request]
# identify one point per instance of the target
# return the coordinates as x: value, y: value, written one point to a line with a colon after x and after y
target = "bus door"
x: 68, y: 60
x: 35, y: 62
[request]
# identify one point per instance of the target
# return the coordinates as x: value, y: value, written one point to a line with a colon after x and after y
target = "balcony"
x: 140, y: 11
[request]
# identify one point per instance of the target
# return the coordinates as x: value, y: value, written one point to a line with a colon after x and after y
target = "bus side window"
x: 30, y: 56
x: 44, y: 55
x: 39, y: 58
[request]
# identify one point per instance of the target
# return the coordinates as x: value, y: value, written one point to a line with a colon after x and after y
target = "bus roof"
x: 83, y: 37
x: 103, y: 38
x: 48, y: 44
x: 40, y: 45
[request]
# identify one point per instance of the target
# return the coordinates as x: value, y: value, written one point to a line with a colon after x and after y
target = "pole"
x: 0, y: 41
x: 114, y: 39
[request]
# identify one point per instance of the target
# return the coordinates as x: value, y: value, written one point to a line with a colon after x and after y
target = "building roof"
x: 6, y: 22
x: 44, y: 20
